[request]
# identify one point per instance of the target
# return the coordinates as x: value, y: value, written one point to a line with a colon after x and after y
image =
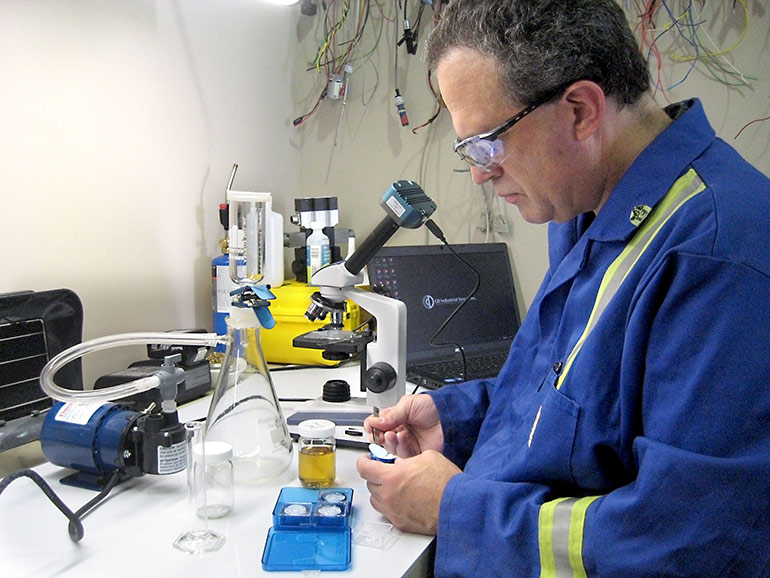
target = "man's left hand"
x: 408, y: 492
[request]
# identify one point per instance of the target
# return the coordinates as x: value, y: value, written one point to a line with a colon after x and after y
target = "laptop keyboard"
x: 475, y: 368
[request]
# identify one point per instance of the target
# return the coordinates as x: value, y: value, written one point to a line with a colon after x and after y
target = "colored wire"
x: 300, y: 119
x: 345, y: 24
x: 439, y: 105
x: 336, y: 54
x: 685, y: 25
x: 727, y: 74
x: 327, y: 43
x: 731, y: 48
x: 748, y: 124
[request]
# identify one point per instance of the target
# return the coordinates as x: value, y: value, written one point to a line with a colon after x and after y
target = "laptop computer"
x: 432, y: 282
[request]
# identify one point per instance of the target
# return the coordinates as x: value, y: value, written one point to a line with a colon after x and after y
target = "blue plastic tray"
x: 311, y: 530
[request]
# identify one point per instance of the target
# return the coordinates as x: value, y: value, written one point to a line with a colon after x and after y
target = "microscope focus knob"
x: 380, y: 377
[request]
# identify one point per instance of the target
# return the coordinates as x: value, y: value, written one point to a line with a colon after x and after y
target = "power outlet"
x: 485, y: 219
x: 501, y: 225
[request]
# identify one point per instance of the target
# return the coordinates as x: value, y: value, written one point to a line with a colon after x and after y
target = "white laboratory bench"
x: 131, y: 533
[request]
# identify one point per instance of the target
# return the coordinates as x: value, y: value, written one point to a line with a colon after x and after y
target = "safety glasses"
x: 485, y: 151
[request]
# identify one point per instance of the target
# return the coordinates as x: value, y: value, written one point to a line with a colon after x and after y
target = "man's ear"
x: 588, y: 103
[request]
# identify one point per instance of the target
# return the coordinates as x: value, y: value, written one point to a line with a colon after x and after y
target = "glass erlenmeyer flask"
x: 244, y: 409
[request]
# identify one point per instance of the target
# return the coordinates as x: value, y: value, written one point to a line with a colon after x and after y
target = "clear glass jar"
x: 317, y: 453
x: 213, y: 480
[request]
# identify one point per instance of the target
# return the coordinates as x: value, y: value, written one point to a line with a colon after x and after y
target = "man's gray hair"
x: 540, y: 45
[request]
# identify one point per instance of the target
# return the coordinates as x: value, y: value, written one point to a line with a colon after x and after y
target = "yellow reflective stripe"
x: 577, y: 527
x: 686, y: 187
x: 560, y: 532
x: 545, y: 538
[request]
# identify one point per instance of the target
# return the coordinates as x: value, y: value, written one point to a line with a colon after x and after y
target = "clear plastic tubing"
x: 108, y: 342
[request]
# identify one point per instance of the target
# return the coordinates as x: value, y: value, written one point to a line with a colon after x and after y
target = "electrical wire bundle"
x: 339, y: 46
x: 344, y: 41
x: 685, y: 23
x: 327, y: 52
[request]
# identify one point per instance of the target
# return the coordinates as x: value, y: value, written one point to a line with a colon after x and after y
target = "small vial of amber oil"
x: 317, y: 453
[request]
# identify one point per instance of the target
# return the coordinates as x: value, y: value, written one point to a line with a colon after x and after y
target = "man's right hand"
x: 408, y: 428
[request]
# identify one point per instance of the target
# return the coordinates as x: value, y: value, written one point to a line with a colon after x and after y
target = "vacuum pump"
x: 102, y: 440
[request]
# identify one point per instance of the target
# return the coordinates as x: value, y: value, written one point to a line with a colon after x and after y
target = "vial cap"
x: 316, y: 428
x: 317, y: 225
x: 215, y: 452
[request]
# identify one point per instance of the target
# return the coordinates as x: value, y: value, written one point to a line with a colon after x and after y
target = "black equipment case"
x: 34, y: 327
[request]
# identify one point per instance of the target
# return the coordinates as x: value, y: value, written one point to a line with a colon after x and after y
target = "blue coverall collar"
x: 689, y: 135
x: 671, y: 153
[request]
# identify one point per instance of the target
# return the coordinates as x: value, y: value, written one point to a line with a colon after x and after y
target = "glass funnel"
x: 244, y: 409
x: 247, y: 227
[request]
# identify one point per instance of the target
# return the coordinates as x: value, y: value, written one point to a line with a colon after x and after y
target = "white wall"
x: 120, y: 121
x: 373, y: 149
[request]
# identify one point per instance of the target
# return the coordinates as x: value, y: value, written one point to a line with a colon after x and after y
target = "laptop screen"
x: 433, y: 282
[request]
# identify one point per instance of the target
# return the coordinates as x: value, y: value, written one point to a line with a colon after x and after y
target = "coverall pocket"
x: 552, y: 437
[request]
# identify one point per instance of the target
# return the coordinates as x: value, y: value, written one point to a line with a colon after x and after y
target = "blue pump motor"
x: 98, y: 439
x: 89, y: 438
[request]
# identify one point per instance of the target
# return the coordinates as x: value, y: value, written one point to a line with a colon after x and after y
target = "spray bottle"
x: 318, y: 251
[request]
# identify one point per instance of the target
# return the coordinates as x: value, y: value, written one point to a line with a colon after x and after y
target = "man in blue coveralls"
x: 628, y: 433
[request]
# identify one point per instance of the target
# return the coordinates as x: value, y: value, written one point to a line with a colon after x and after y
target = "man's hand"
x: 408, y: 492
x: 408, y: 428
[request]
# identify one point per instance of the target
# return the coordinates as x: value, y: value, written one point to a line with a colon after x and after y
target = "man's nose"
x: 480, y: 177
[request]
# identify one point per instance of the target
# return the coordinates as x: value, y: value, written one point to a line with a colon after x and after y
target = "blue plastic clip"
x: 257, y: 297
